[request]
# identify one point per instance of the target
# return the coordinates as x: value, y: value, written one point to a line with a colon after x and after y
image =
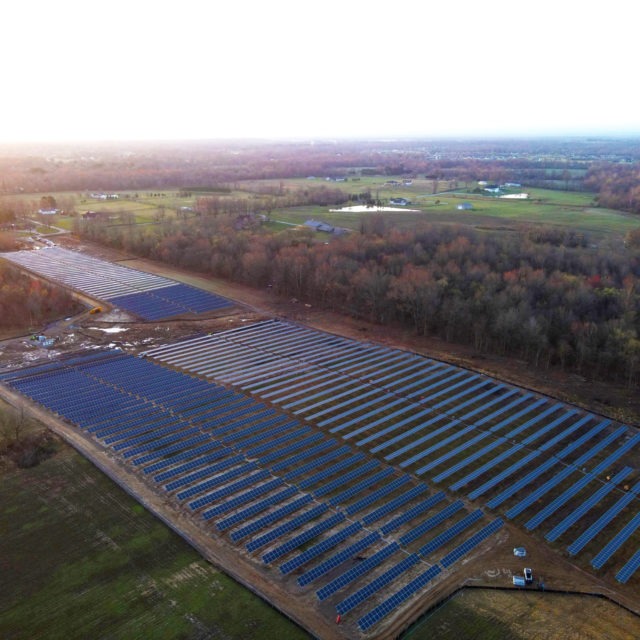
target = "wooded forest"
x: 27, y: 302
x: 544, y: 295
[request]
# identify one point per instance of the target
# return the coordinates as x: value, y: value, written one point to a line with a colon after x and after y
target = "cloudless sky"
x: 200, y: 69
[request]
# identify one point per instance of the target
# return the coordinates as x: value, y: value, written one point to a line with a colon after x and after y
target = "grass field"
x: 576, y: 210
x: 475, y: 614
x: 80, y: 559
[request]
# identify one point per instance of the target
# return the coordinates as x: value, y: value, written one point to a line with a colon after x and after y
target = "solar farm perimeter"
x: 356, y: 479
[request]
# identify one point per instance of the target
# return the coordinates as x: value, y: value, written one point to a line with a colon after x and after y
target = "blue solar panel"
x: 430, y: 523
x: 587, y: 505
x: 412, y: 513
x: 310, y: 466
x: 450, y: 533
x: 355, y: 489
x: 295, y: 446
x: 154, y: 444
x: 466, y: 461
x: 385, y: 608
x: 169, y: 301
x: 394, y: 504
x: 216, y: 480
x: 346, y: 478
x: 329, y: 471
x: 473, y: 441
x: 276, y: 442
x: 365, y: 417
x: 337, y: 559
x: 485, y: 467
x: 471, y: 542
x: 566, y: 495
x: 364, y: 566
x: 204, y: 472
x: 552, y: 442
x: 367, y: 501
x: 270, y: 518
x: 286, y: 527
x: 229, y: 489
x: 629, y: 568
x: 211, y: 448
x: 517, y: 466
x: 167, y: 451
x: 432, y: 433
x: 584, y: 538
x: 303, y: 538
x: 257, y: 427
x: 360, y: 405
x: 245, y: 497
x: 616, y: 542
x: 409, y: 432
x: 378, y: 583
x: 566, y: 472
x: 321, y: 547
x: 545, y: 466
x: 195, y: 463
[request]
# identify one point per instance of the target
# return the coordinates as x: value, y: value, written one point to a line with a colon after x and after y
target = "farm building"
x: 319, y: 226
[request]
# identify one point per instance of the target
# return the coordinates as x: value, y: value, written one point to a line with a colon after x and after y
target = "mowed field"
x: 483, y: 614
x: 575, y: 210
x: 79, y: 558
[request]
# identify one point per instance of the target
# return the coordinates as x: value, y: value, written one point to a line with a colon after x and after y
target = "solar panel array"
x: 192, y: 439
x: 432, y: 419
x: 274, y: 484
x: 149, y: 296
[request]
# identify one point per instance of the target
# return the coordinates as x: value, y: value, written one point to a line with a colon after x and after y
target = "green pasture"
x: 81, y: 559
x: 558, y: 208
x: 576, y: 210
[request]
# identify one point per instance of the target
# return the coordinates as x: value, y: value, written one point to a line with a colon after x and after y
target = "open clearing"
x: 79, y: 558
x: 483, y: 614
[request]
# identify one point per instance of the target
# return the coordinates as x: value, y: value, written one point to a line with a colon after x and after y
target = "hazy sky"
x: 98, y: 70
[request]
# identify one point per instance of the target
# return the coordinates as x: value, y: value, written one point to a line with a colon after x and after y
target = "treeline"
x: 26, y: 302
x: 544, y: 296
x: 617, y: 185
x: 318, y: 196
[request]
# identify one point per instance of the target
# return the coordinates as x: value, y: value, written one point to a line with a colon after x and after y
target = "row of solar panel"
x: 540, y: 406
x: 146, y: 295
x: 189, y: 404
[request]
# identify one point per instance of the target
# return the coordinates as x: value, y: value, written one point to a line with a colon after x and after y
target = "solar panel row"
x: 302, y: 538
x: 358, y: 570
x: 338, y: 558
x: 385, y: 608
x: 321, y: 547
x: 376, y: 584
